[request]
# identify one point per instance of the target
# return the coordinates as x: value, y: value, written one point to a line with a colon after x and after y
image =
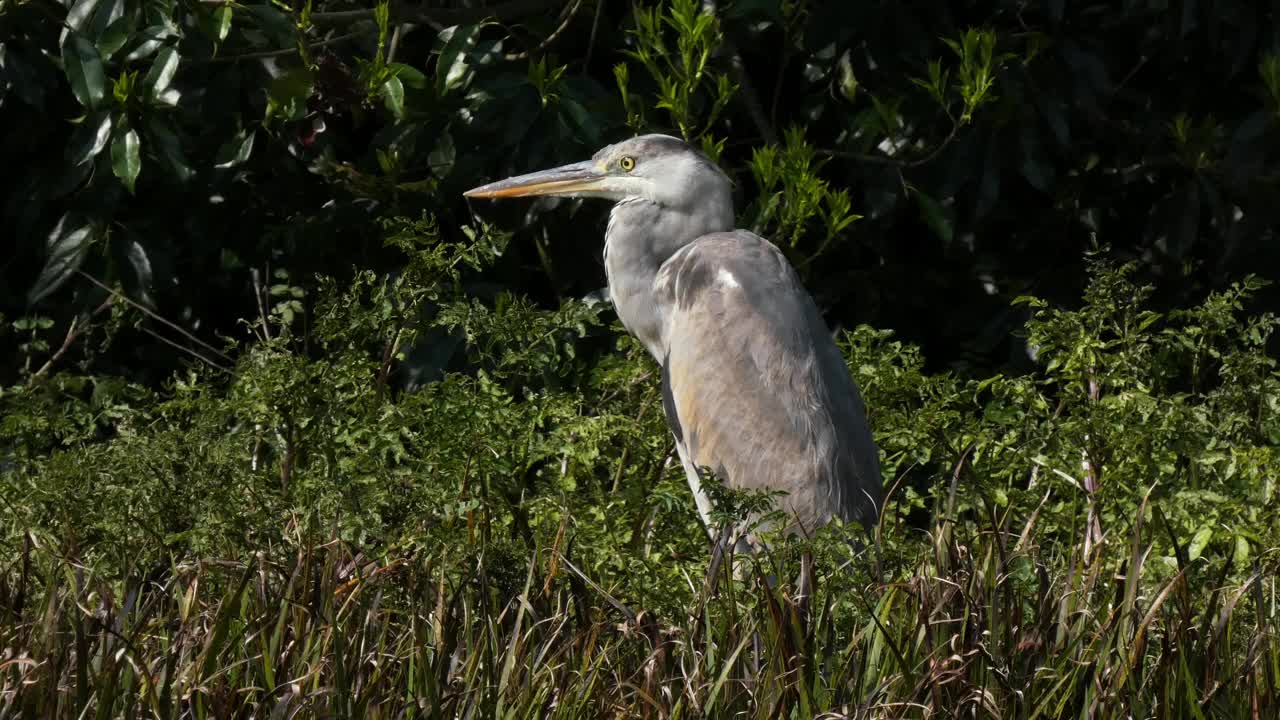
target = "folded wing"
x: 754, y: 386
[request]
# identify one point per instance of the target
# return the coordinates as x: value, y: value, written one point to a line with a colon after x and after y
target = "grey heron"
x: 753, y: 385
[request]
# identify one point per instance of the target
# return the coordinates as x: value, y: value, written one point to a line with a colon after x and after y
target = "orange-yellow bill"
x: 574, y: 178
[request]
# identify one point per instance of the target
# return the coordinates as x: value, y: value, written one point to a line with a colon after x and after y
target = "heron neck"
x: 641, y: 236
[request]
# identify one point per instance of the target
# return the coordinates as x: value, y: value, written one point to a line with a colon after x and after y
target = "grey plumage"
x: 754, y: 387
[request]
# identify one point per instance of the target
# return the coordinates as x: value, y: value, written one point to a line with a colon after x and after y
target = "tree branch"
x: 440, y: 18
x: 264, y: 54
x: 568, y: 18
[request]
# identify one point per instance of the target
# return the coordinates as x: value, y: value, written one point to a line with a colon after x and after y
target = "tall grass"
x: 974, y: 619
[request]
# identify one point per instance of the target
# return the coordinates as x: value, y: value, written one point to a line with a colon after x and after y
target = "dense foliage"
x: 285, y: 428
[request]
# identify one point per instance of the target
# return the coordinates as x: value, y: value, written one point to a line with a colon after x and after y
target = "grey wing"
x: 754, y: 386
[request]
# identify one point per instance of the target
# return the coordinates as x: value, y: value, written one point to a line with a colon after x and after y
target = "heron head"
x: 658, y: 168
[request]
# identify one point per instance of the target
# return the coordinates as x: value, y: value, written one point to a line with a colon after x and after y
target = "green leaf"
x: 935, y: 216
x: 80, y: 13
x: 583, y: 121
x: 452, y: 66
x: 116, y: 36
x: 152, y: 38
x: 91, y: 18
x: 288, y: 93
x: 83, y: 66
x: 279, y: 29
x: 164, y: 140
x: 1241, y: 557
x: 89, y: 139
x: 126, y: 158
x: 848, y: 80
x: 66, y: 248
x: 1199, y: 541
x: 122, y: 87
x: 235, y: 151
x: 392, y: 92
x: 222, y: 19
x: 409, y: 75
x: 442, y: 156
x: 161, y: 73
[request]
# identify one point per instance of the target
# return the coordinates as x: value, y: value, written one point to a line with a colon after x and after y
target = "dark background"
x: 1080, y: 150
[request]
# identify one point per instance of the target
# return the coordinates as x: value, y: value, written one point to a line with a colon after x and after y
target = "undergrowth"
x: 313, y: 535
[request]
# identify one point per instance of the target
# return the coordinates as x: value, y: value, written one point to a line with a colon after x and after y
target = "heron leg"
x: 700, y: 498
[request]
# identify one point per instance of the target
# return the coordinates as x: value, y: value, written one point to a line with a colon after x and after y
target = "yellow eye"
x: 627, y: 163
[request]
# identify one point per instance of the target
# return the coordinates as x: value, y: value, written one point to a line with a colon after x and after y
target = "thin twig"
x: 156, y: 316
x: 73, y: 333
x: 750, y: 98
x: 284, y: 51
x: 862, y: 157
x: 892, y: 161
x: 777, y: 83
x: 955, y: 128
x: 439, y: 18
x: 257, y: 297
x: 388, y: 357
x: 395, y: 41
x: 595, y: 26
x: 568, y: 18
x: 184, y: 349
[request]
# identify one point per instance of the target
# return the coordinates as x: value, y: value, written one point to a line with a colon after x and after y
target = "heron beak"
x: 565, y: 180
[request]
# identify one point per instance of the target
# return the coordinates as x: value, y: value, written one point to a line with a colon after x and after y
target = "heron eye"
x: 627, y: 163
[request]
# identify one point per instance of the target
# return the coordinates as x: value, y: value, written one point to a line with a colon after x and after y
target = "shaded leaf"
x: 164, y: 141
x: 126, y: 156
x: 89, y: 138
x: 409, y: 75
x: 288, y: 93
x: 442, y: 156
x: 936, y: 217
x: 278, y: 27
x: 18, y: 75
x: 116, y: 36
x: 73, y: 177
x: 66, y: 247
x: 452, y: 66
x: 989, y: 186
x: 1054, y: 112
x: 134, y: 265
x: 586, y: 124
x: 1033, y: 162
x: 235, y: 151
x: 83, y: 66
x: 1246, y: 154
